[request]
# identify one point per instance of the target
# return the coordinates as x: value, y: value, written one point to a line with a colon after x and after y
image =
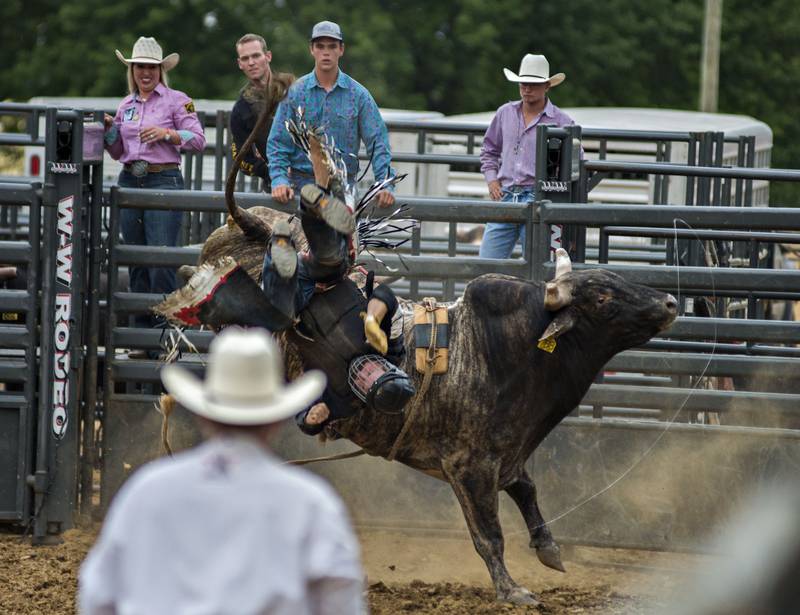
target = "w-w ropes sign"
x: 63, y: 310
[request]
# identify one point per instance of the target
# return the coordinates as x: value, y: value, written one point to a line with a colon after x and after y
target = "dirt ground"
x: 407, y: 573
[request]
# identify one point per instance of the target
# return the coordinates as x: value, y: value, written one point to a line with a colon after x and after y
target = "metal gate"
x: 48, y: 360
x: 73, y: 418
x: 19, y: 321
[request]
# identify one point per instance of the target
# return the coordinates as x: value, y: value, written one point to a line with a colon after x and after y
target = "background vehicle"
x: 628, y: 189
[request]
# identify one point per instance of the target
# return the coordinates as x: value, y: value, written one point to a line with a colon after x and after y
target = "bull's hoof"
x: 518, y: 595
x: 550, y: 556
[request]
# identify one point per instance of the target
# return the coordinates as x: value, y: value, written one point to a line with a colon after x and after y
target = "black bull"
x: 476, y: 425
x: 479, y: 423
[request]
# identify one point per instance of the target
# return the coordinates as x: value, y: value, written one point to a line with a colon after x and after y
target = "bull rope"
x: 668, y: 424
x: 430, y: 307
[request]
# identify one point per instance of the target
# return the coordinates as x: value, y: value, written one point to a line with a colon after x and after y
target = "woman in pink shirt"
x: 153, y: 124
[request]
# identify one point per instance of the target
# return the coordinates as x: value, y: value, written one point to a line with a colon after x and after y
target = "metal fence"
x: 648, y: 394
x: 19, y: 307
x: 110, y: 410
x: 48, y: 361
x: 754, y: 284
x: 207, y: 170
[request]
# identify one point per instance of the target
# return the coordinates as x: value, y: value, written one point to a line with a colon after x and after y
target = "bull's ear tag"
x: 548, y: 344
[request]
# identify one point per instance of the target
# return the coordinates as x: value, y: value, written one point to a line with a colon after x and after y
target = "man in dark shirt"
x: 254, y: 59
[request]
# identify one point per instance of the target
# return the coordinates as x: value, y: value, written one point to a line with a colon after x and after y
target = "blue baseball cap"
x: 327, y: 29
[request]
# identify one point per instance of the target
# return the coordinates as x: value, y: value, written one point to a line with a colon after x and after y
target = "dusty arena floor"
x: 407, y: 573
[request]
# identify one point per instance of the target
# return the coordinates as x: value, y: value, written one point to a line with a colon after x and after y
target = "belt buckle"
x: 139, y: 168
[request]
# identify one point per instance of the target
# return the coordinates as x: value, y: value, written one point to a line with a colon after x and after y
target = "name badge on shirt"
x: 127, y: 116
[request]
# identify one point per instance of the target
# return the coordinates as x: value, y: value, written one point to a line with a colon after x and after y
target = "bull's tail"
x: 252, y: 226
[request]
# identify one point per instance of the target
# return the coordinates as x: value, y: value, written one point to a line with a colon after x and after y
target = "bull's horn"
x: 563, y: 262
x: 556, y: 296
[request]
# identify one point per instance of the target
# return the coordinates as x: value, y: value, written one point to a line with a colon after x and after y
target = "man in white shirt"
x: 225, y: 528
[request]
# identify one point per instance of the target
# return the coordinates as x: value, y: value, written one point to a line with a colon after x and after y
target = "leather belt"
x: 155, y: 168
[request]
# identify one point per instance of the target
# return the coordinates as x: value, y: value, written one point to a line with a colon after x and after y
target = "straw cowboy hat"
x: 244, y: 382
x: 534, y: 69
x: 147, y: 51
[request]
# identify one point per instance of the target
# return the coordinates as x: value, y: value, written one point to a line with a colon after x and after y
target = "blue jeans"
x: 499, y: 238
x: 289, y: 296
x: 326, y: 261
x: 146, y: 227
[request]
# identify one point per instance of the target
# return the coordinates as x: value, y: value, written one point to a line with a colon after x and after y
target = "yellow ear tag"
x: 548, y: 344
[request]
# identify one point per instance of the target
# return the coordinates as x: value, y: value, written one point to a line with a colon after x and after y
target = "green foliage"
x: 760, y: 76
x: 415, y: 54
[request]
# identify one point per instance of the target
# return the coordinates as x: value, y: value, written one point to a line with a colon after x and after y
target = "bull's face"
x: 606, y: 306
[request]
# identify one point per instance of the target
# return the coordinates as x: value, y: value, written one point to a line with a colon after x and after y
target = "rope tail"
x: 350, y: 455
x: 166, y: 404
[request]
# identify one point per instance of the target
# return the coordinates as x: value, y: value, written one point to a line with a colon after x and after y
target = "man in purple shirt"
x: 508, y: 154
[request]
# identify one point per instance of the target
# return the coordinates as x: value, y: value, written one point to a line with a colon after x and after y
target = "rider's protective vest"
x: 330, y: 334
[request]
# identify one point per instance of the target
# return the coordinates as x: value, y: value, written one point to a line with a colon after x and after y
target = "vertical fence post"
x: 544, y: 175
x: 719, y: 148
x: 558, y: 178
x: 750, y: 163
x: 532, y: 237
x: 658, y: 179
x: 96, y: 259
x: 109, y: 382
x: 691, y: 159
x: 32, y: 322
x: 55, y: 480
x: 219, y: 151
x: 741, y: 151
x: 538, y: 244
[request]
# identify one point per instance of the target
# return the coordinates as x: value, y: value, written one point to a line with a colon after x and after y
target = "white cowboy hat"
x: 244, y: 382
x: 147, y: 51
x: 534, y: 69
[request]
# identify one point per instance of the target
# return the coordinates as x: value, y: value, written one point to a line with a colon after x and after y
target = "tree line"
x: 444, y: 56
